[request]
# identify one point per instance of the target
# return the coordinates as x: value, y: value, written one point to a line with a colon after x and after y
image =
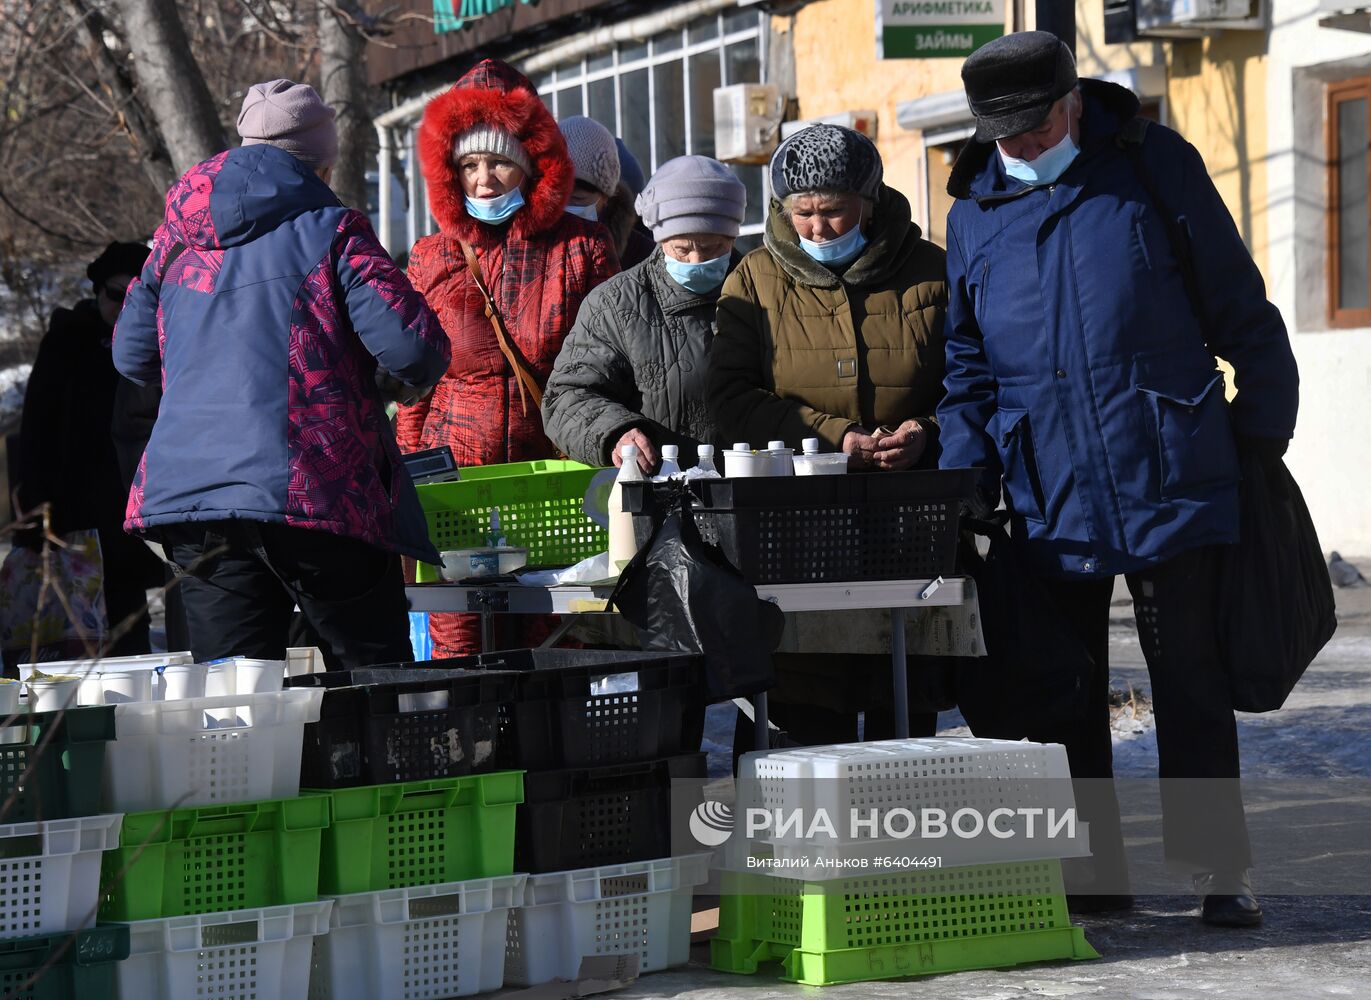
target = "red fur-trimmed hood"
x: 494, y: 93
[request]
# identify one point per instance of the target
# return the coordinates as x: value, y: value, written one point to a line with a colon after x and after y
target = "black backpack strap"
x: 177, y: 249
x: 1130, y: 139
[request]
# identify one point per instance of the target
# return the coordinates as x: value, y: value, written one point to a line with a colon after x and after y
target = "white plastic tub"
x: 50, y: 874
x: 420, y: 943
x: 203, y: 751
x: 831, y: 464
x: 259, y: 954
x: 642, y: 909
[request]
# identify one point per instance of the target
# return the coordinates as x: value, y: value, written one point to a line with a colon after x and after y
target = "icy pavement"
x: 1310, y: 946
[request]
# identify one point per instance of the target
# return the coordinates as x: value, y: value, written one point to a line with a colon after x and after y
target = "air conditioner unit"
x: 747, y: 122
x: 1188, y: 18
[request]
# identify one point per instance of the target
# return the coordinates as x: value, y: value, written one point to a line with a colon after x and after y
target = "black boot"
x: 1227, y: 899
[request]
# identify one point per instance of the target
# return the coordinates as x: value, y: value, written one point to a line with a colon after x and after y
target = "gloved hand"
x: 393, y: 390
x: 980, y: 505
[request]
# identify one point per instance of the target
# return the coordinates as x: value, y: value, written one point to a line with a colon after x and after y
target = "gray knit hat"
x: 593, y: 151
x: 692, y: 194
x: 826, y: 158
x: 290, y: 116
x: 496, y: 142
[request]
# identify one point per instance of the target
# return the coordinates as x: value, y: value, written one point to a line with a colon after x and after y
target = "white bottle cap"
x: 628, y: 451
x: 705, y: 450
x: 671, y: 451
x: 741, y: 446
x: 810, y: 446
x: 775, y: 445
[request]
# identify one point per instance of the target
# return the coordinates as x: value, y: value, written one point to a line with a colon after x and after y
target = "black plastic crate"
x: 586, y: 707
x: 587, y: 817
x: 383, y: 726
x: 79, y: 966
x: 66, y: 751
x: 823, y: 529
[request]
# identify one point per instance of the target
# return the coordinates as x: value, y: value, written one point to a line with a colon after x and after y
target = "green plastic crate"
x: 84, y: 971
x: 214, y: 858
x: 906, y: 923
x: 419, y: 832
x: 65, y: 780
x: 540, y: 509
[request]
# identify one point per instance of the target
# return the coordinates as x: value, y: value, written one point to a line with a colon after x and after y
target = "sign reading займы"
x: 928, y: 29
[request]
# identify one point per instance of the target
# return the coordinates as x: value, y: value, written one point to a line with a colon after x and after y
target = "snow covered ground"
x: 13, y: 382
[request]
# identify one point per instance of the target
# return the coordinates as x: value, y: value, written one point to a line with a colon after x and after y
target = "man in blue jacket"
x: 1084, y: 320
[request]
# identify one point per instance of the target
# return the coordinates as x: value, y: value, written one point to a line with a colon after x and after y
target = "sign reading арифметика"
x: 929, y: 29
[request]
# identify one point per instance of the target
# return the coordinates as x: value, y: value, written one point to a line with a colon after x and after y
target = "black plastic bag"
x: 1034, y: 676
x: 1276, y: 606
x: 683, y: 595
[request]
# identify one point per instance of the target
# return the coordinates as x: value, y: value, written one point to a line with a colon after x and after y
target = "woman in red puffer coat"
x: 499, y: 179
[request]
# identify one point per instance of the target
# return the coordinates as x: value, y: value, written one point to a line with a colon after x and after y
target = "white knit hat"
x: 593, y: 151
x: 496, y: 142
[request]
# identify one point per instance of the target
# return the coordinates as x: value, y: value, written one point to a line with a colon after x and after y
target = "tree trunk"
x: 170, y: 81
x: 344, y: 87
x: 134, y: 116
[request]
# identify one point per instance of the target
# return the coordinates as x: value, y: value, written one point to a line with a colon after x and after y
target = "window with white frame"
x: 658, y: 95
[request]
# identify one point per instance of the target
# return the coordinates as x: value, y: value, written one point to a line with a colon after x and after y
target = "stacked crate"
x: 52, y: 833
x: 215, y: 874
x: 418, y: 856
x: 610, y: 743
x: 969, y: 904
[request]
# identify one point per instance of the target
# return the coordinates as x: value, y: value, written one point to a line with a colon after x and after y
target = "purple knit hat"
x: 290, y: 116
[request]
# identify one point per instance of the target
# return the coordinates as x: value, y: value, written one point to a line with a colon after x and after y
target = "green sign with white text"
x: 931, y: 29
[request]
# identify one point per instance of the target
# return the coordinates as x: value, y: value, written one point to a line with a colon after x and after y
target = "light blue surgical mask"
x: 836, y: 253
x: 588, y: 212
x: 495, y: 210
x: 698, y: 278
x: 1050, y: 164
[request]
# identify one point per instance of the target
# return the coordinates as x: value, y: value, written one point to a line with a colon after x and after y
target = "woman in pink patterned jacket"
x: 275, y: 321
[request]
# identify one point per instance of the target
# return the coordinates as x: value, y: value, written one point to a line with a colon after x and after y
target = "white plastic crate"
x: 50, y: 874
x: 949, y: 774
x: 422, y: 943
x: 642, y: 909
x: 205, y: 751
x: 259, y: 954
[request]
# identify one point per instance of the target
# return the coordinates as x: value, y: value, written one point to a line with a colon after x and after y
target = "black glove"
x: 980, y: 505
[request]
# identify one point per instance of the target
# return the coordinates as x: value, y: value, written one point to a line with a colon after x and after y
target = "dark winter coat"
x: 635, y: 358
x: 265, y: 310
x: 803, y: 351
x: 1077, y: 370
x: 66, y: 455
x: 539, y: 266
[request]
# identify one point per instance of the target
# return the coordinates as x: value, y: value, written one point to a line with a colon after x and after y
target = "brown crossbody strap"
x: 528, y: 382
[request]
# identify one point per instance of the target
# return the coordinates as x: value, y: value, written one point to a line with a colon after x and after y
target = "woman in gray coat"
x: 632, y: 370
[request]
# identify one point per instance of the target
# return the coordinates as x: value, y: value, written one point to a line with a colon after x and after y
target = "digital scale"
x: 433, y: 465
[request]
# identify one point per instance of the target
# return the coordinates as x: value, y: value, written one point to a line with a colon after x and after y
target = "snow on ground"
x: 13, y: 382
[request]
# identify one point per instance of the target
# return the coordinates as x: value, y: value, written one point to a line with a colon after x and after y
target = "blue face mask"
x: 495, y: 210
x: 698, y: 278
x: 836, y: 253
x: 1050, y: 164
x: 588, y: 212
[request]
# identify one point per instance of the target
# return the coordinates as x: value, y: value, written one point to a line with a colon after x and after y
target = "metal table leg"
x: 899, y: 673
x: 487, y: 630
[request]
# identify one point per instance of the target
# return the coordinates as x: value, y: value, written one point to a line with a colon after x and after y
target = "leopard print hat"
x: 826, y: 158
